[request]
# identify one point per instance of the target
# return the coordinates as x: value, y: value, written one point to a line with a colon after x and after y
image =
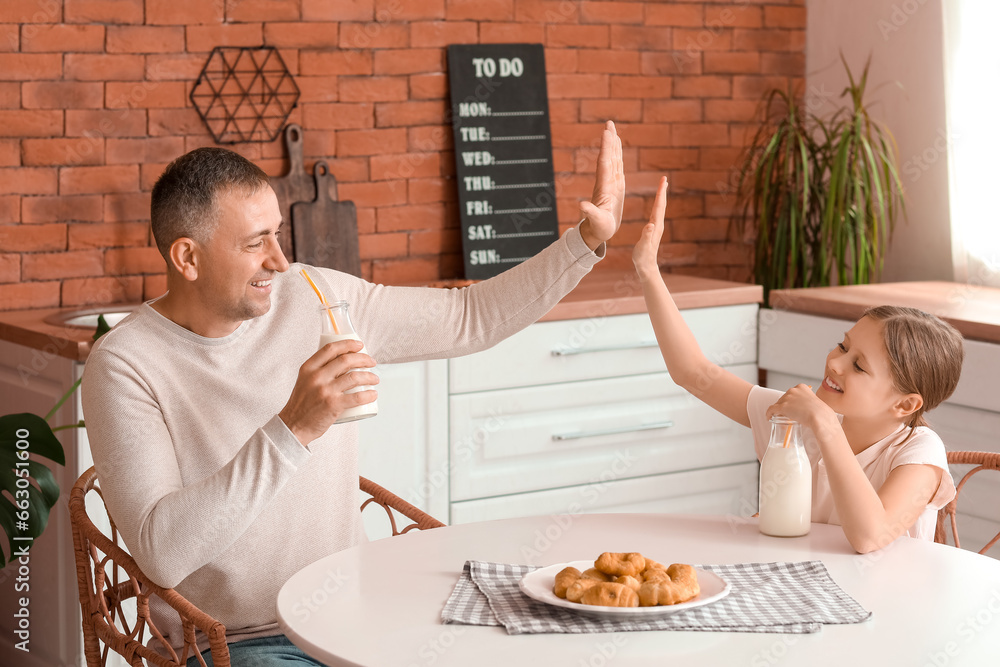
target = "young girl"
x: 878, y: 470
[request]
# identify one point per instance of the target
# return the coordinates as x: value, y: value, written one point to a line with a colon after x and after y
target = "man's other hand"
x: 319, y: 395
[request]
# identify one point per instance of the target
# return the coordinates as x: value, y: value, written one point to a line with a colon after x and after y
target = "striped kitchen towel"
x: 782, y: 597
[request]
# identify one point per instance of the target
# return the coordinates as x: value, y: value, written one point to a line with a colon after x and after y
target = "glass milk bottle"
x: 785, y: 482
x: 337, y: 326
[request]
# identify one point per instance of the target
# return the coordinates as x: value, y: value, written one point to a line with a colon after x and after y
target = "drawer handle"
x: 568, y: 351
x: 613, y: 431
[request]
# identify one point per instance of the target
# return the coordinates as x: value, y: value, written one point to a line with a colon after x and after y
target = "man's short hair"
x: 185, y: 197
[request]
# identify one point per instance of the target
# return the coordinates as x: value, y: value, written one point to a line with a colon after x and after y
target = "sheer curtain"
x: 972, y: 89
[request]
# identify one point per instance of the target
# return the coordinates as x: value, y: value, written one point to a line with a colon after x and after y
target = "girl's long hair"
x: 925, y: 355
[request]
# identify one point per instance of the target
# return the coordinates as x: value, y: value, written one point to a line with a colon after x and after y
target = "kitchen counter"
x: 973, y: 310
x: 599, y: 294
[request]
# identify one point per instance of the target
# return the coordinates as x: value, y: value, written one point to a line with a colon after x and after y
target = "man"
x: 211, y: 414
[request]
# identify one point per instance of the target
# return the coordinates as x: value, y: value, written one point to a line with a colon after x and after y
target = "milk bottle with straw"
x: 785, y: 482
x: 337, y: 326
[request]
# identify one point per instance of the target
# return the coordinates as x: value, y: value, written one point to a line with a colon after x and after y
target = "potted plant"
x: 819, y: 196
x: 28, y: 490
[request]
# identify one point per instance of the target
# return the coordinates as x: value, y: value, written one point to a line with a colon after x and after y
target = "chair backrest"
x: 107, y: 576
x: 390, y: 502
x: 947, y: 514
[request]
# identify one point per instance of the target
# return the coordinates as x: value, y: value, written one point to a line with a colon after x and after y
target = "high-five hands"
x: 603, y: 213
x: 645, y: 251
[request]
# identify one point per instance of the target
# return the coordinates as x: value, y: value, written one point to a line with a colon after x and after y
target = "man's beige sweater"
x: 211, y: 492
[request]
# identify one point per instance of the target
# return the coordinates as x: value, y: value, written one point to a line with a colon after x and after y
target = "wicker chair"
x: 108, y: 577
x: 981, y: 461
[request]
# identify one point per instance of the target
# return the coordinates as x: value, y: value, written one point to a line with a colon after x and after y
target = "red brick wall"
x: 94, y: 103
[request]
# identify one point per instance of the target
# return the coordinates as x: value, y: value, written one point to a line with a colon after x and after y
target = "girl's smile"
x: 830, y: 385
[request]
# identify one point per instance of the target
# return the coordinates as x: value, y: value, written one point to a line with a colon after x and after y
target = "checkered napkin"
x: 765, y: 597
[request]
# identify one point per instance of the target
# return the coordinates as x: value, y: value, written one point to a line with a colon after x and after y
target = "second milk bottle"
x: 785, y: 482
x: 337, y: 326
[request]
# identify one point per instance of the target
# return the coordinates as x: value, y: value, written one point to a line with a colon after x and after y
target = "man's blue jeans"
x: 276, y: 651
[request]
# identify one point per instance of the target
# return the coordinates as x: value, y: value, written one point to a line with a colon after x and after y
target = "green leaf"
x: 24, y: 480
x: 102, y: 327
x: 46, y: 482
x: 40, y: 439
x: 8, y: 521
x: 819, y: 196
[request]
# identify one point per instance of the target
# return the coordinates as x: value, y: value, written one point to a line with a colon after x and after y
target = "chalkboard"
x: 503, y: 154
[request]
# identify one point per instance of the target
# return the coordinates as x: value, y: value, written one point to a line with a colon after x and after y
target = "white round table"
x: 380, y: 603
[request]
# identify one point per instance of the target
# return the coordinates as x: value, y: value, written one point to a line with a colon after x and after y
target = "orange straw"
x: 322, y: 299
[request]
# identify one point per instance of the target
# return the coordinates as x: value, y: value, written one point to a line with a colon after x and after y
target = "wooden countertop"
x: 30, y: 328
x: 599, y: 294
x: 972, y: 309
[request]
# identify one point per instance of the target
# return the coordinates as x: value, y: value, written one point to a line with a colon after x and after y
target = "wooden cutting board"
x: 326, y: 231
x: 295, y: 186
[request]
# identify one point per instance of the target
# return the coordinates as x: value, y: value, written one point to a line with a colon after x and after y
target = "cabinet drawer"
x: 532, y: 438
x: 565, y: 351
x: 723, y: 490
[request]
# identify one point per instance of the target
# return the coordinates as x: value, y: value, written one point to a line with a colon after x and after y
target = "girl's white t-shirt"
x: 924, y: 446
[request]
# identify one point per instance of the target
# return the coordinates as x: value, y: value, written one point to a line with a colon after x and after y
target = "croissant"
x: 620, y: 564
x: 679, y: 583
x: 610, y: 594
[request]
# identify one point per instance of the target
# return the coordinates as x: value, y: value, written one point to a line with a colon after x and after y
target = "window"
x: 972, y: 67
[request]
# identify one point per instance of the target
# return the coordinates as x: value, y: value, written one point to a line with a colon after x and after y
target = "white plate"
x: 537, y: 585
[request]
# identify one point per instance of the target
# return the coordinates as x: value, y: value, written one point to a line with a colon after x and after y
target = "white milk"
x: 785, y: 491
x: 358, y: 411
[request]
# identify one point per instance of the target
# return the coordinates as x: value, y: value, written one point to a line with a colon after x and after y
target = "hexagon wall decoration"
x: 244, y: 94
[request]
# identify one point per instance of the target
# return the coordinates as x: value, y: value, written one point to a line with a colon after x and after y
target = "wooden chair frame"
x: 390, y: 502
x: 103, y: 588
x: 947, y: 514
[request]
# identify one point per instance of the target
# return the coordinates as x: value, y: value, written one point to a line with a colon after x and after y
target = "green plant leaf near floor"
x: 28, y: 489
x: 25, y: 513
x: 819, y: 196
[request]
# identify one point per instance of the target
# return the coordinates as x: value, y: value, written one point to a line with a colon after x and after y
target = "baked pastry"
x: 620, y: 564
x: 654, y: 574
x: 576, y: 590
x: 594, y: 573
x: 610, y: 594
x: 679, y: 584
x: 564, y: 580
x: 631, y: 582
x: 653, y: 565
x: 627, y: 580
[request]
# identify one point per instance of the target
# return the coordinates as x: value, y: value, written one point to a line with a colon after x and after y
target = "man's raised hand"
x: 603, y: 213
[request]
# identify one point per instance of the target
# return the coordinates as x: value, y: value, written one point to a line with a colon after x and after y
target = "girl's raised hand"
x: 645, y: 251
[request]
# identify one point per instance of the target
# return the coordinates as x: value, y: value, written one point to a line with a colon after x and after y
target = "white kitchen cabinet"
x: 793, y: 347
x: 562, y: 434
x: 403, y: 447
x: 729, y: 489
x: 540, y: 418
